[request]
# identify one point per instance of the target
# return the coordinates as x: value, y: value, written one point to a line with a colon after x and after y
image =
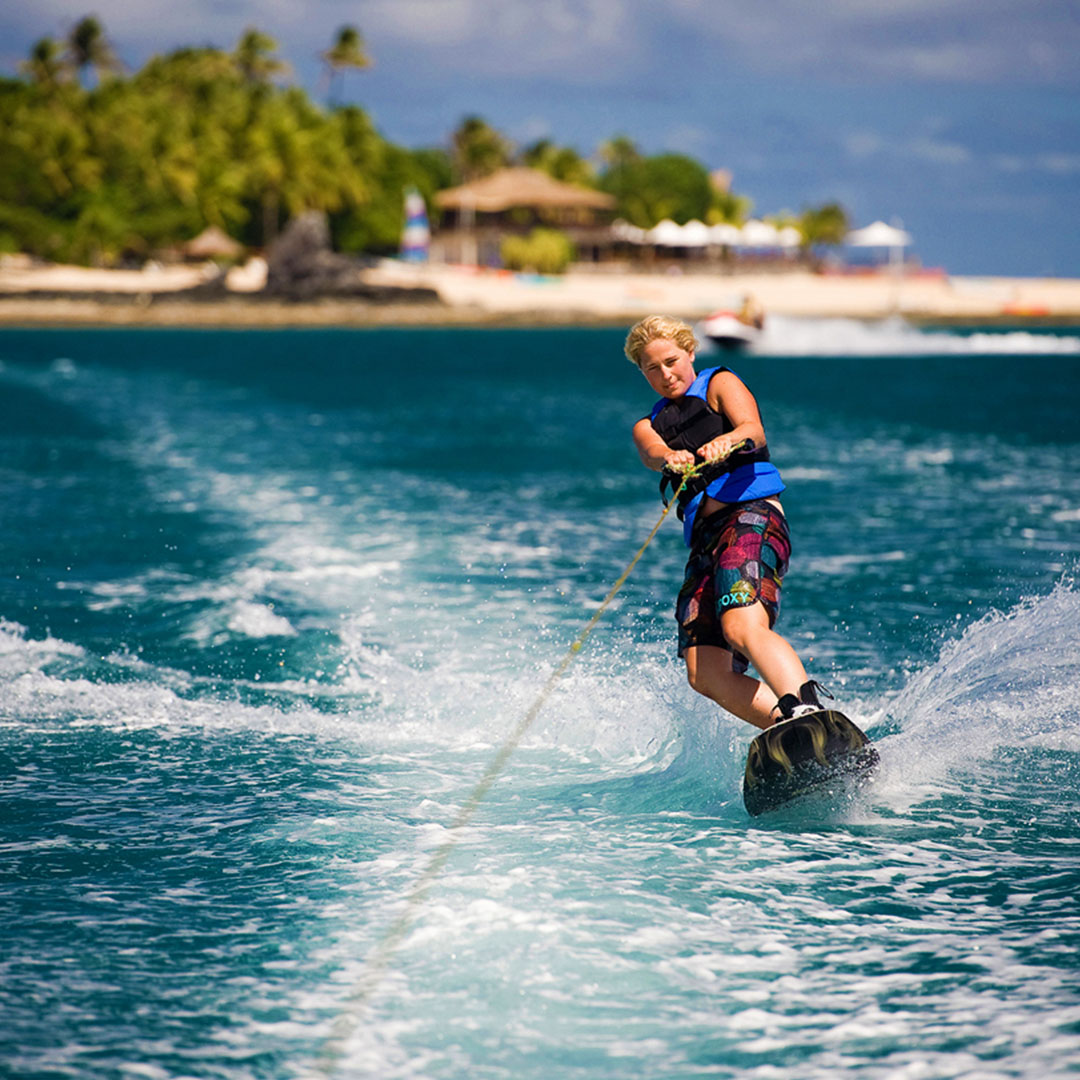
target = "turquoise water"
x: 273, y: 601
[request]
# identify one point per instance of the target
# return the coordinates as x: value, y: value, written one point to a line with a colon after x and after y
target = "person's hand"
x: 716, y: 450
x: 678, y: 461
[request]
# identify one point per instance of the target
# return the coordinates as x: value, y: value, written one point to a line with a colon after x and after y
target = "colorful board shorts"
x: 739, y: 556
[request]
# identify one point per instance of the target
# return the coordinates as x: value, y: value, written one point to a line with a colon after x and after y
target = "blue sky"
x: 959, y: 119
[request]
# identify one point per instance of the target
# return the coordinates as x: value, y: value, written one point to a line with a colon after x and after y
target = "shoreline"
x: 35, y: 314
x: 79, y: 297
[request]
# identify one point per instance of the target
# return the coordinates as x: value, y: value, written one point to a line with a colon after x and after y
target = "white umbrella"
x: 724, y: 234
x: 789, y: 237
x: 878, y: 235
x: 695, y: 234
x: 759, y: 234
x: 881, y: 235
x: 666, y: 234
x: 623, y: 230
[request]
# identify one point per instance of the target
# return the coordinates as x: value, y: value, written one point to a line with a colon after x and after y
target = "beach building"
x: 477, y: 216
x: 212, y: 243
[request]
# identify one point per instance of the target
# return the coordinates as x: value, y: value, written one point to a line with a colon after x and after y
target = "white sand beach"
x: 154, y: 295
x: 797, y: 292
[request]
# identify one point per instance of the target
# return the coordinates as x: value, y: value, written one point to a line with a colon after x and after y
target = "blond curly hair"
x: 653, y: 327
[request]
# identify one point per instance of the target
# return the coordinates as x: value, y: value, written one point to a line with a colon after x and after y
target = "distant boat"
x: 732, y: 329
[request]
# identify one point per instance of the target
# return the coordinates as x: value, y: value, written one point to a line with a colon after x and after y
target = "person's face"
x: 669, y: 369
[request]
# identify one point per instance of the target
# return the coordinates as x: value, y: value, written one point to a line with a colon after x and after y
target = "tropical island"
x: 169, y: 182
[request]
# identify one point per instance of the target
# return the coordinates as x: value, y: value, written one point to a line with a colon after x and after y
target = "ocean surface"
x: 272, y: 603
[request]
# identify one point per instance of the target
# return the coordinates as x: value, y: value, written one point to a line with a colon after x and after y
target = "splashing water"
x: 788, y: 336
x: 266, y: 632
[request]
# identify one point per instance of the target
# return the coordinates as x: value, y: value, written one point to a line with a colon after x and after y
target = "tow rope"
x: 378, y: 960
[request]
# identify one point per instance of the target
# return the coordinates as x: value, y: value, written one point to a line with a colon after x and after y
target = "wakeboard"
x: 804, y: 754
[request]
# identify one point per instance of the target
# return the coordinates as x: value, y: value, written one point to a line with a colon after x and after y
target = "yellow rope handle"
x: 379, y: 960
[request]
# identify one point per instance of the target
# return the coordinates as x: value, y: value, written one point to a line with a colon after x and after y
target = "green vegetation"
x: 650, y: 189
x: 198, y: 137
x: 562, y: 162
x: 348, y: 51
x: 827, y: 224
x: 478, y: 149
x: 88, y: 49
x: 101, y: 166
x: 545, y: 251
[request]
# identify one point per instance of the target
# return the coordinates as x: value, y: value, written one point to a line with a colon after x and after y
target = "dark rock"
x: 301, y: 266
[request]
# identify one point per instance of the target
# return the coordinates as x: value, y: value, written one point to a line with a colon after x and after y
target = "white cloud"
x: 862, y: 144
x: 531, y: 130
x: 921, y: 40
x: 927, y: 146
x: 689, y: 139
x: 1063, y: 164
x: 938, y: 151
x: 1009, y: 163
x: 1059, y: 164
x: 544, y: 37
x: 581, y: 41
x: 442, y: 23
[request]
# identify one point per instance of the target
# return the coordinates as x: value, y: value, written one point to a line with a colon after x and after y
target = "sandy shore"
x: 798, y: 293
x: 58, y: 296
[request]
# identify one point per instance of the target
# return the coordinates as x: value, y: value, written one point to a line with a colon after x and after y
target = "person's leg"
x: 709, y: 670
x: 747, y: 630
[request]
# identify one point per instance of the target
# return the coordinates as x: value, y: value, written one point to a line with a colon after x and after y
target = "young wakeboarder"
x: 733, y: 523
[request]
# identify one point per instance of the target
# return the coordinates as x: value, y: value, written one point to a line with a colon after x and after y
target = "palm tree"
x: 538, y: 154
x: 726, y: 207
x: 46, y: 66
x: 561, y: 162
x: 87, y: 47
x: 254, y: 56
x: 618, y: 152
x: 825, y: 224
x: 296, y: 159
x: 348, y: 51
x: 478, y: 149
x: 48, y: 157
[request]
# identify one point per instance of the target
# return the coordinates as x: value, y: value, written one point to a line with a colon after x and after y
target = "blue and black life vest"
x: 688, y: 423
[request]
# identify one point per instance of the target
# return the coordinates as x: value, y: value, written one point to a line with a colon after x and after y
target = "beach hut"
x: 478, y: 215
x: 212, y: 243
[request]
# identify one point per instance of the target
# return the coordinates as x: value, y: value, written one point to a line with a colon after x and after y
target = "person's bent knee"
x: 738, y: 632
x: 742, y: 623
x: 704, y: 665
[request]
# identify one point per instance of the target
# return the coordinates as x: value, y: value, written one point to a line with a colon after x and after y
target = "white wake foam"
x: 786, y: 336
x: 1011, y: 680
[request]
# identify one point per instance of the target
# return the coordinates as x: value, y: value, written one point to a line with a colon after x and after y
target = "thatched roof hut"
x: 477, y: 216
x: 520, y: 187
x: 212, y: 243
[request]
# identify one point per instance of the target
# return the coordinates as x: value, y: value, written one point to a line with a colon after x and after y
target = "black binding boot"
x: 786, y: 706
x: 808, y: 701
x: 808, y: 694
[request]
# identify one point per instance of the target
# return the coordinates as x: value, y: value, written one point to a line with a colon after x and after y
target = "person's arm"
x: 655, y: 453
x: 728, y: 394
